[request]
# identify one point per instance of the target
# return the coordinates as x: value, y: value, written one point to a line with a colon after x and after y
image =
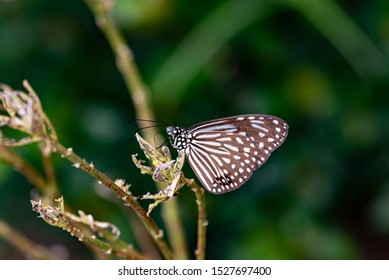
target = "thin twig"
x: 107, y: 248
x: 202, y: 221
x: 52, y: 190
x: 124, y: 60
x: 156, y: 233
x: 113, y: 245
x: 140, y: 97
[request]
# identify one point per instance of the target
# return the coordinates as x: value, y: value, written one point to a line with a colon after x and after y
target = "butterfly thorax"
x: 178, y: 137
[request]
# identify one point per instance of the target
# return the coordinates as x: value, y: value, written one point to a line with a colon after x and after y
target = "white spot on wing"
x: 259, y: 127
x: 239, y: 140
x: 257, y: 121
x: 231, y: 147
x: 224, y: 139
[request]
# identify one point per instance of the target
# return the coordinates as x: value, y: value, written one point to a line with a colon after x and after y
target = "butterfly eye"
x: 224, y: 153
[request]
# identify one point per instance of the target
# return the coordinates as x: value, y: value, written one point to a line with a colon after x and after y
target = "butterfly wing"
x: 224, y: 153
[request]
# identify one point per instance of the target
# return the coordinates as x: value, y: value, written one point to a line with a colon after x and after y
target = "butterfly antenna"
x: 143, y: 120
x: 164, y: 142
x: 145, y: 127
x: 157, y: 123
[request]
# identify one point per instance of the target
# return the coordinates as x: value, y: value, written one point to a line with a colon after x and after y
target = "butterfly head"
x: 177, y: 136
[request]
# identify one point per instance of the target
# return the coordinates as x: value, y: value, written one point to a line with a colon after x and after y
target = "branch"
x: 202, y: 221
x: 169, y: 172
x: 56, y: 216
x: 124, y: 59
x: 156, y: 233
x: 140, y: 97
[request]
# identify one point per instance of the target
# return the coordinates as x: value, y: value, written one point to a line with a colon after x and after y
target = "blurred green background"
x: 320, y: 65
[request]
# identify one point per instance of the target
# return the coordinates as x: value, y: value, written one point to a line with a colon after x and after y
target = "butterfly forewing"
x: 223, y: 153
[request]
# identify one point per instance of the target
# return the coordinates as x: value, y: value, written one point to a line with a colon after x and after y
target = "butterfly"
x: 224, y: 153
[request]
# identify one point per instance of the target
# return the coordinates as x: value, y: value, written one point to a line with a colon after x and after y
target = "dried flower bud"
x: 165, y: 170
x: 25, y: 113
x: 23, y: 109
x: 54, y: 216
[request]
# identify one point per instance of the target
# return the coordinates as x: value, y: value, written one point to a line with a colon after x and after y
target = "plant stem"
x: 124, y: 60
x: 140, y: 97
x: 52, y: 190
x: 202, y: 221
x: 115, y: 247
x: 156, y: 233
